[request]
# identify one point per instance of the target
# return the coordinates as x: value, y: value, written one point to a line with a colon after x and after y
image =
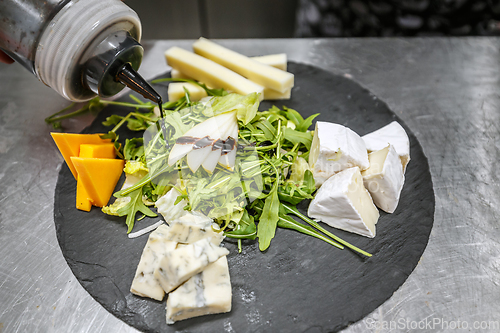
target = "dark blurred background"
x: 188, y: 19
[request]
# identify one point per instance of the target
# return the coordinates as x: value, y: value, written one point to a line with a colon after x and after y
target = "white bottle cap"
x: 69, y: 40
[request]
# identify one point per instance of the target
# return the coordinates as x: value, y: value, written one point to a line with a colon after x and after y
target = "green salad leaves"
x: 251, y: 200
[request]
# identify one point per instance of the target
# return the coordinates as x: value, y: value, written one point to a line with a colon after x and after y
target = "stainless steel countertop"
x: 445, y: 90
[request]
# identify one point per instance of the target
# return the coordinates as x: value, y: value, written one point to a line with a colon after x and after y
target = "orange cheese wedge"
x: 98, y: 176
x: 103, y: 150
x: 69, y: 145
x: 82, y: 197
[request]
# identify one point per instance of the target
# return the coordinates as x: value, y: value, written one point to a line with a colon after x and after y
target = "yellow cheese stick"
x: 209, y: 72
x: 275, y: 60
x: 270, y: 94
x: 176, y: 91
x: 262, y: 74
x: 176, y: 74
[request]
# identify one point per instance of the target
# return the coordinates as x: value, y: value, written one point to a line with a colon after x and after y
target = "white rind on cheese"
x: 335, y: 148
x: 393, y: 134
x: 262, y: 74
x: 384, y: 178
x: 208, y: 292
x: 275, y: 60
x: 184, y: 262
x: 176, y: 91
x: 209, y: 72
x: 144, y: 283
x: 167, y: 208
x: 343, y: 202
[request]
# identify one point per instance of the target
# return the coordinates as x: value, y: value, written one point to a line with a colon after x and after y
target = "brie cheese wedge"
x: 208, y: 292
x: 393, y: 134
x: 335, y: 148
x: 384, y: 178
x: 343, y: 202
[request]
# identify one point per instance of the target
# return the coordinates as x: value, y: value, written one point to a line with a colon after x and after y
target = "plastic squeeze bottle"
x: 79, y: 48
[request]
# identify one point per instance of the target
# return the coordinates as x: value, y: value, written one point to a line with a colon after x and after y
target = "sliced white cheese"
x: 167, y: 208
x: 384, y: 178
x: 144, y: 283
x: 275, y: 60
x: 192, y: 227
x: 335, y: 148
x: 179, y: 265
x: 176, y: 91
x: 207, y: 71
x: 262, y: 74
x: 393, y: 134
x: 343, y: 202
x: 208, y: 292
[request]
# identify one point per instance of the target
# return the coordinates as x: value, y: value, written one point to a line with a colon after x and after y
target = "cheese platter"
x: 297, y: 283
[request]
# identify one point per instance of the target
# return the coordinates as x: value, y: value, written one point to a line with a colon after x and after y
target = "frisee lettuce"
x: 269, y: 179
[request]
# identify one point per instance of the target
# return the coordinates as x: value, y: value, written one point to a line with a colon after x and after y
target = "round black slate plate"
x: 301, y: 283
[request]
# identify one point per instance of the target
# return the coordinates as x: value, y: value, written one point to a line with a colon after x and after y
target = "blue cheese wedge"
x: 393, y: 134
x: 384, y: 178
x: 184, y: 262
x: 343, y: 202
x: 144, y: 283
x: 208, y: 292
x: 192, y: 227
x: 335, y: 148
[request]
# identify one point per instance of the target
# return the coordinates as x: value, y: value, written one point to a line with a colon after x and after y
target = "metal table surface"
x: 445, y: 90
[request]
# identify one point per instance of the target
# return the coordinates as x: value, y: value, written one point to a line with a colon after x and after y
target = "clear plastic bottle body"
x: 21, y: 25
x: 56, y: 39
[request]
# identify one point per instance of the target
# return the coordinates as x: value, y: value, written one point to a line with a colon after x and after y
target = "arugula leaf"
x: 288, y: 222
x: 245, y: 229
x: 268, y: 220
x: 293, y: 210
x: 133, y: 149
x: 305, y: 124
x: 293, y: 116
x: 134, y: 206
x: 295, y: 136
x: 93, y: 106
